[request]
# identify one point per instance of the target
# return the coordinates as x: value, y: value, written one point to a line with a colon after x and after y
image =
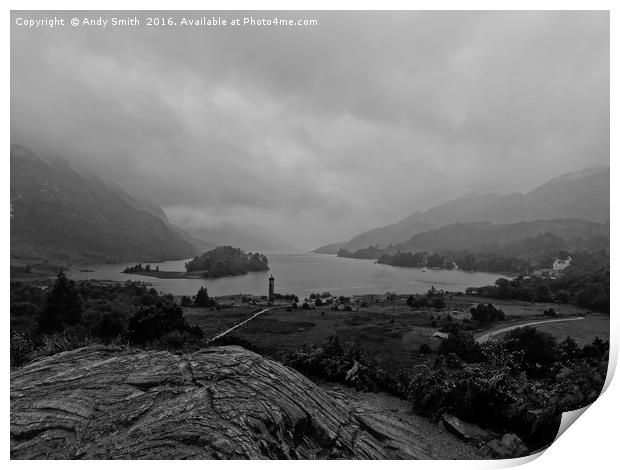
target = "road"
x: 224, y: 333
x: 485, y: 337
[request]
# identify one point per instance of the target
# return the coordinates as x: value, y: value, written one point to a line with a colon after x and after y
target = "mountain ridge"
x: 59, y: 214
x: 582, y: 195
x: 482, y: 235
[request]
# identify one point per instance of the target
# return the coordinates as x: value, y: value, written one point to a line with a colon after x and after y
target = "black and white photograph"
x: 306, y: 234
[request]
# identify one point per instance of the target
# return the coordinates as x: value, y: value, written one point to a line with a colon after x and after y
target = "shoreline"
x: 185, y: 275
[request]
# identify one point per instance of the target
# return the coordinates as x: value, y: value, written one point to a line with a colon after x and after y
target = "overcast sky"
x: 318, y: 133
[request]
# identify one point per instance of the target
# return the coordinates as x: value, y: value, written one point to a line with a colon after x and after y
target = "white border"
x: 589, y: 444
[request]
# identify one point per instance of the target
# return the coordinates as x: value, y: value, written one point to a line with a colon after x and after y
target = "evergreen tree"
x: 202, y: 298
x: 63, y: 306
x: 151, y: 321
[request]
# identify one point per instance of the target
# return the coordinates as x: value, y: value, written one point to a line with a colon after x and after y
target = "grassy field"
x: 213, y: 321
x: 583, y: 331
x: 394, y: 336
x: 514, y: 308
x: 389, y: 330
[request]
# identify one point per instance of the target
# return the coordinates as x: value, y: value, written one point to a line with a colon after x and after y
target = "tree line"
x: 68, y: 314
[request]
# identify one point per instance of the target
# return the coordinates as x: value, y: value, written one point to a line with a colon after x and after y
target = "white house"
x: 561, y: 264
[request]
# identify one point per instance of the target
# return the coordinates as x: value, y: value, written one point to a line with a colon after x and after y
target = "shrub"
x: 335, y: 361
x: 109, y: 325
x: 149, y: 297
x: 152, y: 321
x: 543, y: 293
x: 22, y: 347
x: 496, y: 355
x: 66, y: 340
x: 25, y: 309
x: 598, y: 349
x: 177, y: 339
x: 489, y: 396
x: 569, y: 350
x: 563, y: 297
x: 539, y: 349
x: 418, y: 301
x: 25, y: 316
x: 463, y: 345
x: 486, y: 313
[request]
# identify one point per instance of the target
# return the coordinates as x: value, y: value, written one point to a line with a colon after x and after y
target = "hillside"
x: 508, y: 248
x: 580, y: 195
x: 60, y: 215
x: 486, y: 236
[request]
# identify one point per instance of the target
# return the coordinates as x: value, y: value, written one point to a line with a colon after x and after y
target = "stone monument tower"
x: 271, y: 290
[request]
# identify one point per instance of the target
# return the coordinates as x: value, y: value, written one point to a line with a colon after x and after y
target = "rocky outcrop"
x: 223, y: 402
x: 508, y: 447
x: 467, y: 431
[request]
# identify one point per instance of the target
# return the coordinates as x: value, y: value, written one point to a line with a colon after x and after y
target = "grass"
x: 582, y: 331
x: 389, y: 330
x: 213, y: 321
x: 515, y: 308
x: 395, y: 336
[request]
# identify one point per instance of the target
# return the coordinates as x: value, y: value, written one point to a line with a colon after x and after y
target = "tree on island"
x: 138, y: 268
x: 227, y: 261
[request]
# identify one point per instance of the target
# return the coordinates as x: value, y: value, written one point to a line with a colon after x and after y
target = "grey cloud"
x: 319, y: 132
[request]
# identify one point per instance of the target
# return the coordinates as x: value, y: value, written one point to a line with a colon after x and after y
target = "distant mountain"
x: 382, y: 236
x: 251, y: 237
x: 330, y: 249
x: 199, y: 243
x: 580, y: 195
x: 139, y: 203
x: 59, y: 214
x: 148, y: 206
x: 487, y: 236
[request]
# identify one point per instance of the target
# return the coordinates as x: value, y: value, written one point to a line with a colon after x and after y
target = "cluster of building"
x: 559, y: 265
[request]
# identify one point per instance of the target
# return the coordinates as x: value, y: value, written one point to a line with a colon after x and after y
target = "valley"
x: 410, y: 316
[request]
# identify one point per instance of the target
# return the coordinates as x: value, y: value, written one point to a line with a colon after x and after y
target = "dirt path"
x: 487, y: 336
x: 224, y: 333
x: 409, y: 434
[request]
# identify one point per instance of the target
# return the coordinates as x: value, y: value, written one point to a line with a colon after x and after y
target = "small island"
x: 227, y: 261
x: 219, y: 262
x: 140, y: 269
